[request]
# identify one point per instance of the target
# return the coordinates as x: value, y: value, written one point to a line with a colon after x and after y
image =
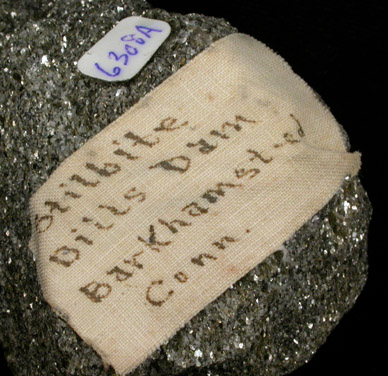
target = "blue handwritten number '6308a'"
x: 130, y: 50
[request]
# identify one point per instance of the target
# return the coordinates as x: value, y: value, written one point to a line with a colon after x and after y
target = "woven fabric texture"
x: 201, y: 180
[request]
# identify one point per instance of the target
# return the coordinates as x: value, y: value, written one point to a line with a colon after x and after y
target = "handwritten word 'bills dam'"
x: 165, y: 208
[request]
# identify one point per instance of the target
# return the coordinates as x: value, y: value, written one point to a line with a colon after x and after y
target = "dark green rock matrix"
x: 268, y: 323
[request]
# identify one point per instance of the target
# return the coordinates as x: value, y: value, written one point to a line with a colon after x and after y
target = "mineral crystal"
x: 270, y: 322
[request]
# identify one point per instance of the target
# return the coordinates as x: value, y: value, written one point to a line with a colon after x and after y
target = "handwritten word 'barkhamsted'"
x: 159, y: 291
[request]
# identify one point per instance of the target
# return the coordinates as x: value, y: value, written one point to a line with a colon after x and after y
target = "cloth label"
x: 164, y: 209
x: 122, y: 52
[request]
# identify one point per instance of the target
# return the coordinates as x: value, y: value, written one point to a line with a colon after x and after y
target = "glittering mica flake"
x: 270, y: 322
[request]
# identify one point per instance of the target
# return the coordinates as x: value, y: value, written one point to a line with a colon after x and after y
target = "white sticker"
x: 122, y: 52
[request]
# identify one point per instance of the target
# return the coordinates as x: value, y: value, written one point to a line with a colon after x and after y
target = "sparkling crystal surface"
x: 268, y: 323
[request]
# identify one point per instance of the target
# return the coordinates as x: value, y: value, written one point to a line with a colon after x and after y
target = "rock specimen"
x: 269, y: 322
